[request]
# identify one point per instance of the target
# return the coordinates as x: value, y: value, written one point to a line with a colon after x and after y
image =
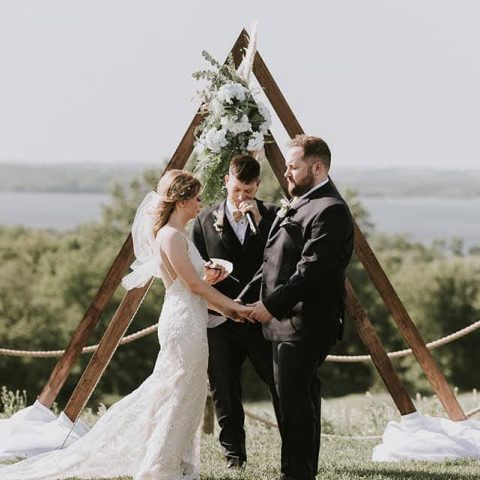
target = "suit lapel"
x: 298, y: 204
x: 322, y: 191
x: 318, y: 193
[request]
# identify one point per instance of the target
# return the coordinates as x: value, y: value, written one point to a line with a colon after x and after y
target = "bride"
x: 153, y: 433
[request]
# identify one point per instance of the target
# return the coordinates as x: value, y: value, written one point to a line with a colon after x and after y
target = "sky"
x: 387, y: 83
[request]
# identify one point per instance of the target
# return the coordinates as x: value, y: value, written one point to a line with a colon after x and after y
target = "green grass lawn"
x: 340, y: 459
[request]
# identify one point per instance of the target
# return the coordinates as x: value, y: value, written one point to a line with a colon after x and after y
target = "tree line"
x: 48, y: 279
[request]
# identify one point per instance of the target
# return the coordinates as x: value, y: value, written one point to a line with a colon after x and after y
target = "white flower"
x: 215, y: 140
x: 231, y: 124
x: 218, y: 224
x: 265, y: 113
x: 264, y: 127
x: 216, y: 107
x: 226, y: 93
x: 255, y: 142
x: 285, y: 207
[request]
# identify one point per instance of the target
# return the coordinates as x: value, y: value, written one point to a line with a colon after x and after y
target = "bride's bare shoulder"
x: 170, y: 237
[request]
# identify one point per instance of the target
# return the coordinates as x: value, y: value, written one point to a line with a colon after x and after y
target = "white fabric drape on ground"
x: 435, y: 439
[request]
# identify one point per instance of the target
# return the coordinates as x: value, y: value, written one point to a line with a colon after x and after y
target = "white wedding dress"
x: 152, y: 433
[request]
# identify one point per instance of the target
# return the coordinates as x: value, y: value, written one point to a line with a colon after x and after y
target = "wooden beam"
x: 106, y: 348
x: 407, y: 327
x: 272, y: 151
x: 370, y: 262
x: 132, y: 299
x: 86, y: 326
x: 379, y: 356
x: 209, y: 416
x: 275, y: 97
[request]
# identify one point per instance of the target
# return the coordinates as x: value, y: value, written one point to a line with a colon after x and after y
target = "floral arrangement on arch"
x: 235, y: 123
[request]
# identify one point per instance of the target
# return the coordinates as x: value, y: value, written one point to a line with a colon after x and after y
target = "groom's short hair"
x: 245, y: 168
x: 313, y: 148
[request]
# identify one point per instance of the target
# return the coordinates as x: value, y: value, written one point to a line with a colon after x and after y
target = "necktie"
x: 237, y: 215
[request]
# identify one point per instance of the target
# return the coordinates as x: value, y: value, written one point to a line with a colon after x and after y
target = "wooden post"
x: 209, y: 416
x: 370, y: 262
x: 86, y: 326
x: 106, y: 348
x: 407, y: 327
x: 132, y: 300
x: 384, y: 365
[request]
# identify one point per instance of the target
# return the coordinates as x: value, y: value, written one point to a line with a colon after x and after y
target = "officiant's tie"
x: 237, y: 215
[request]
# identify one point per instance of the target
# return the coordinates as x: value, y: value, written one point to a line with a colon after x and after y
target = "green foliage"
x: 234, y: 123
x: 11, y: 402
x: 48, y: 279
x: 216, y: 76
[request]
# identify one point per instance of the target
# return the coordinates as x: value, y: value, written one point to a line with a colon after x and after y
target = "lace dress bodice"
x: 152, y: 433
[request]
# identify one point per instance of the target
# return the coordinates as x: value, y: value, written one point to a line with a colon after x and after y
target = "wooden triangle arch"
x: 132, y: 299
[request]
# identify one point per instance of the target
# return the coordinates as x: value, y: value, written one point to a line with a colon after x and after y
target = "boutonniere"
x: 218, y: 223
x: 284, y: 208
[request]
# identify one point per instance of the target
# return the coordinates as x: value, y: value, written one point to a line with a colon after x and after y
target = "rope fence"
x: 403, y: 353
x: 58, y: 353
x: 331, y: 358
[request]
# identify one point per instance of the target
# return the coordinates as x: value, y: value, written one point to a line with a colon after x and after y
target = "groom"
x: 302, y: 297
x: 223, y: 232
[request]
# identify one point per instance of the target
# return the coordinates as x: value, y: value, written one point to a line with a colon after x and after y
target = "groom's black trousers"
x: 296, y: 376
x: 229, y: 345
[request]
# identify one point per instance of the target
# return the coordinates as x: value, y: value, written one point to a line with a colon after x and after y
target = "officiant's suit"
x: 216, y: 236
x: 302, y: 284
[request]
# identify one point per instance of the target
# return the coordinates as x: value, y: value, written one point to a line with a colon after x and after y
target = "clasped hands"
x: 252, y: 312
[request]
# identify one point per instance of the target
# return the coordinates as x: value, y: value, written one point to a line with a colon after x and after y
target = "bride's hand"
x: 242, y: 313
x: 214, y: 273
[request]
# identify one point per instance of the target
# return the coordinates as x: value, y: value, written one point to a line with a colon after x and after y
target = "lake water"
x: 59, y: 211
x: 426, y: 219
x: 423, y: 218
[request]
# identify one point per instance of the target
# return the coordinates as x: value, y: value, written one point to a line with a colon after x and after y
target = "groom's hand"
x: 260, y: 313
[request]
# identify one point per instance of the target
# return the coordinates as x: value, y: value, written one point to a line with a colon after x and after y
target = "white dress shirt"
x: 240, y: 227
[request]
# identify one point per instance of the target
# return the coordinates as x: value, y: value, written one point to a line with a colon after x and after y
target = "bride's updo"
x: 173, y: 187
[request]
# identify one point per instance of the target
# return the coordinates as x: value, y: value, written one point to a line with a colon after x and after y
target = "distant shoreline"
x: 422, y: 218
x: 368, y: 182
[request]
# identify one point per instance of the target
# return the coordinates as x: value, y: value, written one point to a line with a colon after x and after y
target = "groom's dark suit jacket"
x: 302, y: 279
x: 221, y: 242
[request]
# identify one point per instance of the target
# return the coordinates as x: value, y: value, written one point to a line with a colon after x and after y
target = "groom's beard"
x: 298, y: 188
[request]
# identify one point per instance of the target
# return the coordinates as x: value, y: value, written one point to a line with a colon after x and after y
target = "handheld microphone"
x: 252, y: 223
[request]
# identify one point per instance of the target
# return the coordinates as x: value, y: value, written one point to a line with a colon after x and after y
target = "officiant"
x: 224, y: 231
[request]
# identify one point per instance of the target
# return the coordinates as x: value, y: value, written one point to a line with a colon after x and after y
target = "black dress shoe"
x: 235, y: 463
